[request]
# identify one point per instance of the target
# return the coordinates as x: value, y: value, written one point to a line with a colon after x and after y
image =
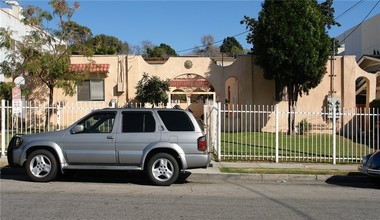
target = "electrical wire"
x: 357, y: 26
x: 349, y: 9
x: 180, y: 51
x: 339, y: 16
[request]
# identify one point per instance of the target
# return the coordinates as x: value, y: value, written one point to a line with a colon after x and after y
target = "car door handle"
x: 110, y: 137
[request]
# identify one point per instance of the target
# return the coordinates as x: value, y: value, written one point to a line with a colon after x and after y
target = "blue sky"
x: 181, y: 24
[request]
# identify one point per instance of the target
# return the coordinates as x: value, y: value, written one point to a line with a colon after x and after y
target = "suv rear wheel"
x: 162, y: 169
x: 41, y: 166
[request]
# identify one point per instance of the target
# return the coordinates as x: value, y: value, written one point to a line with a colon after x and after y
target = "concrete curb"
x: 207, y: 177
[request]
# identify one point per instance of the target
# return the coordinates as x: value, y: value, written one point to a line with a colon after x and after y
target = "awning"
x: 92, y: 67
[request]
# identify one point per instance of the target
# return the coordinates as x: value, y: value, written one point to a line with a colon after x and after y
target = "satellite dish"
x: 19, y: 81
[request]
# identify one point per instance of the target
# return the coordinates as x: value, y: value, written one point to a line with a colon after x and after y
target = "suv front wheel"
x: 163, y: 169
x: 41, y: 166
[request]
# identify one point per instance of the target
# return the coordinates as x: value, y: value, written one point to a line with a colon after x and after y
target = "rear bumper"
x: 195, y: 161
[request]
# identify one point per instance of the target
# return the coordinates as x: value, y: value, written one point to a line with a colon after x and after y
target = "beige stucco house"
x: 240, y: 82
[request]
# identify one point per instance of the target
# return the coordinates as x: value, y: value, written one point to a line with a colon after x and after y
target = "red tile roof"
x: 93, y: 67
x: 189, y: 83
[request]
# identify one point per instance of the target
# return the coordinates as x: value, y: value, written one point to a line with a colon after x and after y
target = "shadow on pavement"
x: 91, y: 176
x: 353, y: 180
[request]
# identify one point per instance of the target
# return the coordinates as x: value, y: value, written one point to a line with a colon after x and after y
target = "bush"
x: 304, y: 126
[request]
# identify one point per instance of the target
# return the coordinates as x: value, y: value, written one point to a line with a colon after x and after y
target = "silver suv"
x: 159, y: 141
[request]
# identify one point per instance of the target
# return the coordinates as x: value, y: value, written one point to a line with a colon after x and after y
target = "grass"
x: 260, y: 144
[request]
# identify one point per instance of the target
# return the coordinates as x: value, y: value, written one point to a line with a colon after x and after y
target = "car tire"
x: 41, y: 166
x: 162, y: 169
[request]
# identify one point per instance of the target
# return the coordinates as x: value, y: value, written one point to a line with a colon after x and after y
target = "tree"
x: 231, y: 47
x: 107, y: 45
x: 163, y: 50
x: 43, y: 55
x: 290, y: 50
x: 6, y: 90
x: 151, y: 89
x: 208, y: 47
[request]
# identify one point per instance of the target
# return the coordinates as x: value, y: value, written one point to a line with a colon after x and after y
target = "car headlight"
x: 365, y: 158
x: 17, y: 141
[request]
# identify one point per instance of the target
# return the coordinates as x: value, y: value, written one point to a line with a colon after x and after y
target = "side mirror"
x: 77, y: 129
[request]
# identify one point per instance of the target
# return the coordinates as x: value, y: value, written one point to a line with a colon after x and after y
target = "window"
x: 376, y: 161
x: 138, y: 122
x: 171, y: 119
x: 101, y: 122
x: 91, y: 90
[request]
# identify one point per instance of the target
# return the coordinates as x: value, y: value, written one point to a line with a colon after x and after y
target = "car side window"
x: 138, y: 122
x: 375, y: 161
x: 171, y: 119
x: 101, y: 122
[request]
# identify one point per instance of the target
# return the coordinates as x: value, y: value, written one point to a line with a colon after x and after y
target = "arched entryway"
x: 362, y: 93
x: 190, y: 91
x: 231, y: 91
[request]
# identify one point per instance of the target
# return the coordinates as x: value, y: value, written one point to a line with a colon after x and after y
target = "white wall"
x: 363, y: 40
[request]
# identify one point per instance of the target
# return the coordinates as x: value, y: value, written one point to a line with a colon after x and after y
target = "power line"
x: 339, y: 16
x: 360, y: 22
x: 180, y: 51
x: 349, y: 9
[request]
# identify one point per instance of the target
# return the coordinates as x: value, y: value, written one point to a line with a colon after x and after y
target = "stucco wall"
x: 253, y: 89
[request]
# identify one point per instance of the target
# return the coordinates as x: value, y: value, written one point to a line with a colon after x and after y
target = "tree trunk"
x: 49, y: 111
x: 292, y: 105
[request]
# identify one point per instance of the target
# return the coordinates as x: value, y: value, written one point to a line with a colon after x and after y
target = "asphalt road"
x: 124, y: 195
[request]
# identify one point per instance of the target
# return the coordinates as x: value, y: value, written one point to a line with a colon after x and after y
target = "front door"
x: 96, y: 143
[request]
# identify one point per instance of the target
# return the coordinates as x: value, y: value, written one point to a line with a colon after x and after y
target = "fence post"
x: 219, y: 132
x: 59, y: 116
x: 334, y: 134
x: 276, y: 118
x: 2, y: 127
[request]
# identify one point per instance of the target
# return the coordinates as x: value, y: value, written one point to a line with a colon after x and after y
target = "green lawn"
x: 314, y: 147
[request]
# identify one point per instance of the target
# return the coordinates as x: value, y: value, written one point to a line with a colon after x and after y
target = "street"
x: 122, y: 195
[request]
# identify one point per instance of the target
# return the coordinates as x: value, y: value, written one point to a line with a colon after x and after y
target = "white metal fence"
x: 260, y: 133
x: 250, y: 133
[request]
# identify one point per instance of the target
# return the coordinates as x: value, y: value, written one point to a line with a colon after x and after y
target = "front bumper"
x: 13, y: 154
x: 10, y: 156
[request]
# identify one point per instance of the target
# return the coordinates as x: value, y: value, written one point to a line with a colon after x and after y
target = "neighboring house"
x: 11, y: 18
x: 362, y: 39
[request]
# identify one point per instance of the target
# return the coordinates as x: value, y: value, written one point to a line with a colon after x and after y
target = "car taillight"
x: 202, y: 144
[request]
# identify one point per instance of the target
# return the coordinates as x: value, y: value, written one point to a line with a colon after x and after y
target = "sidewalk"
x: 213, y: 173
